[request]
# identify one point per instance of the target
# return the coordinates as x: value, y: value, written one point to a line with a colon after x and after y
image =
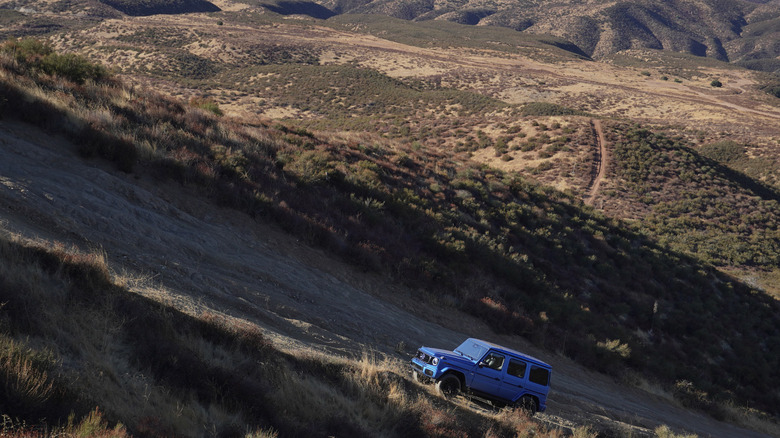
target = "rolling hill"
x: 743, y: 31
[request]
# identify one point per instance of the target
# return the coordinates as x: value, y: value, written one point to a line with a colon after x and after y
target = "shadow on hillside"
x: 159, y: 7
x: 310, y: 9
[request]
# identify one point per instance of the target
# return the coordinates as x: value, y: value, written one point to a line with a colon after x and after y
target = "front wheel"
x: 448, y: 386
x: 527, y: 404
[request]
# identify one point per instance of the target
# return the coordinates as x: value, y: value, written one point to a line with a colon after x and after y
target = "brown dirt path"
x: 601, y: 162
x: 181, y: 250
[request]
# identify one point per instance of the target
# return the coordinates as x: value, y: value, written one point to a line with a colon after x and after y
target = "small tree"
x: 716, y: 83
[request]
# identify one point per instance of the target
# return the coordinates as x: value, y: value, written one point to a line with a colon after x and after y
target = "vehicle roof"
x: 512, y: 352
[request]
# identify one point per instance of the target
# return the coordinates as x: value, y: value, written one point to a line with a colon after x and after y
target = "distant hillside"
x: 740, y: 31
x: 155, y: 7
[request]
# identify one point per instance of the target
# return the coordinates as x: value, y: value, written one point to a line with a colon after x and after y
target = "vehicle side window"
x: 540, y: 376
x: 516, y: 368
x: 494, y: 361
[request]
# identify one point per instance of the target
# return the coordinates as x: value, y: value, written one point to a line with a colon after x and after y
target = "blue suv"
x: 488, y: 371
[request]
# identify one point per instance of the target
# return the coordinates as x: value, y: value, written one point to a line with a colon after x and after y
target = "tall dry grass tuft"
x: 93, y: 425
x: 26, y: 386
x: 751, y: 419
x: 666, y: 432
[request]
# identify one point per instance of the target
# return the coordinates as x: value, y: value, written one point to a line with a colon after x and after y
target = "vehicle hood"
x: 447, y: 355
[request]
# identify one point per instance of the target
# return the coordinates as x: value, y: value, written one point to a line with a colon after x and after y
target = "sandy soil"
x: 179, y: 249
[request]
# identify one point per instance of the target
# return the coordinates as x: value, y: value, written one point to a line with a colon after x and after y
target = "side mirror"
x: 481, y: 364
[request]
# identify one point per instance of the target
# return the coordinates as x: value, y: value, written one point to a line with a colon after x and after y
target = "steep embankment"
x: 199, y: 257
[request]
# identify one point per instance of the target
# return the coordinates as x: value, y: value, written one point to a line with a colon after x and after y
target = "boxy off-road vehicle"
x: 487, y: 371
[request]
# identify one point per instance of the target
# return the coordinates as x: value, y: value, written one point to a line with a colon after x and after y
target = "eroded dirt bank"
x: 197, y: 257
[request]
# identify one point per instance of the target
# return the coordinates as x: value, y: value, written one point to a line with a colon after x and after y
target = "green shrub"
x: 724, y: 151
x: 547, y: 109
x: 75, y: 68
x: 39, y: 55
x: 716, y: 83
x: 28, y: 50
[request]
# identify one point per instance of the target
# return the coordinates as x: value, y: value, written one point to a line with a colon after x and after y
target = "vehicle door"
x: 514, y: 383
x: 538, y: 380
x: 488, y: 373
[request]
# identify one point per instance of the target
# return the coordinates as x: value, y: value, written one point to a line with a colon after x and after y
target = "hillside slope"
x: 525, y: 259
x: 198, y: 258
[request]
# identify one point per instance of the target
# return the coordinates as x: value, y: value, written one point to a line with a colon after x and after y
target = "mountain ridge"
x: 711, y: 28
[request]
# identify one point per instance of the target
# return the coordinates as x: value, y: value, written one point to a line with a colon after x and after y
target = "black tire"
x: 448, y: 386
x: 528, y: 405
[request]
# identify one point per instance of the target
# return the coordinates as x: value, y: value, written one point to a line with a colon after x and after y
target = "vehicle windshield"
x: 471, y: 349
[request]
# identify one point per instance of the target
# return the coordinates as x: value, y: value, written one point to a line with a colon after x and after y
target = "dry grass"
x: 92, y: 425
x: 25, y: 384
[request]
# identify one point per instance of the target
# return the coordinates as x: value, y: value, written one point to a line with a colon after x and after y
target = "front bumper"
x: 423, y: 368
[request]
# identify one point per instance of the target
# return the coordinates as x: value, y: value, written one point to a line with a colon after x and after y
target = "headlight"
x: 435, y: 361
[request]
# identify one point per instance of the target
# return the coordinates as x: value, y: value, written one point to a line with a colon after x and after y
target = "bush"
x: 724, y: 151
x: 39, y: 55
x: 75, y: 68
x: 548, y: 109
x: 28, y: 50
x: 716, y: 83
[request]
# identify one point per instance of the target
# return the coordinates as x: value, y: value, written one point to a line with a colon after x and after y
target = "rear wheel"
x: 528, y: 405
x: 448, y: 386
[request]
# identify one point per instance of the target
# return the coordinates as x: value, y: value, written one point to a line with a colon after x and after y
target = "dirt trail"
x: 195, y: 256
x: 601, y: 162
